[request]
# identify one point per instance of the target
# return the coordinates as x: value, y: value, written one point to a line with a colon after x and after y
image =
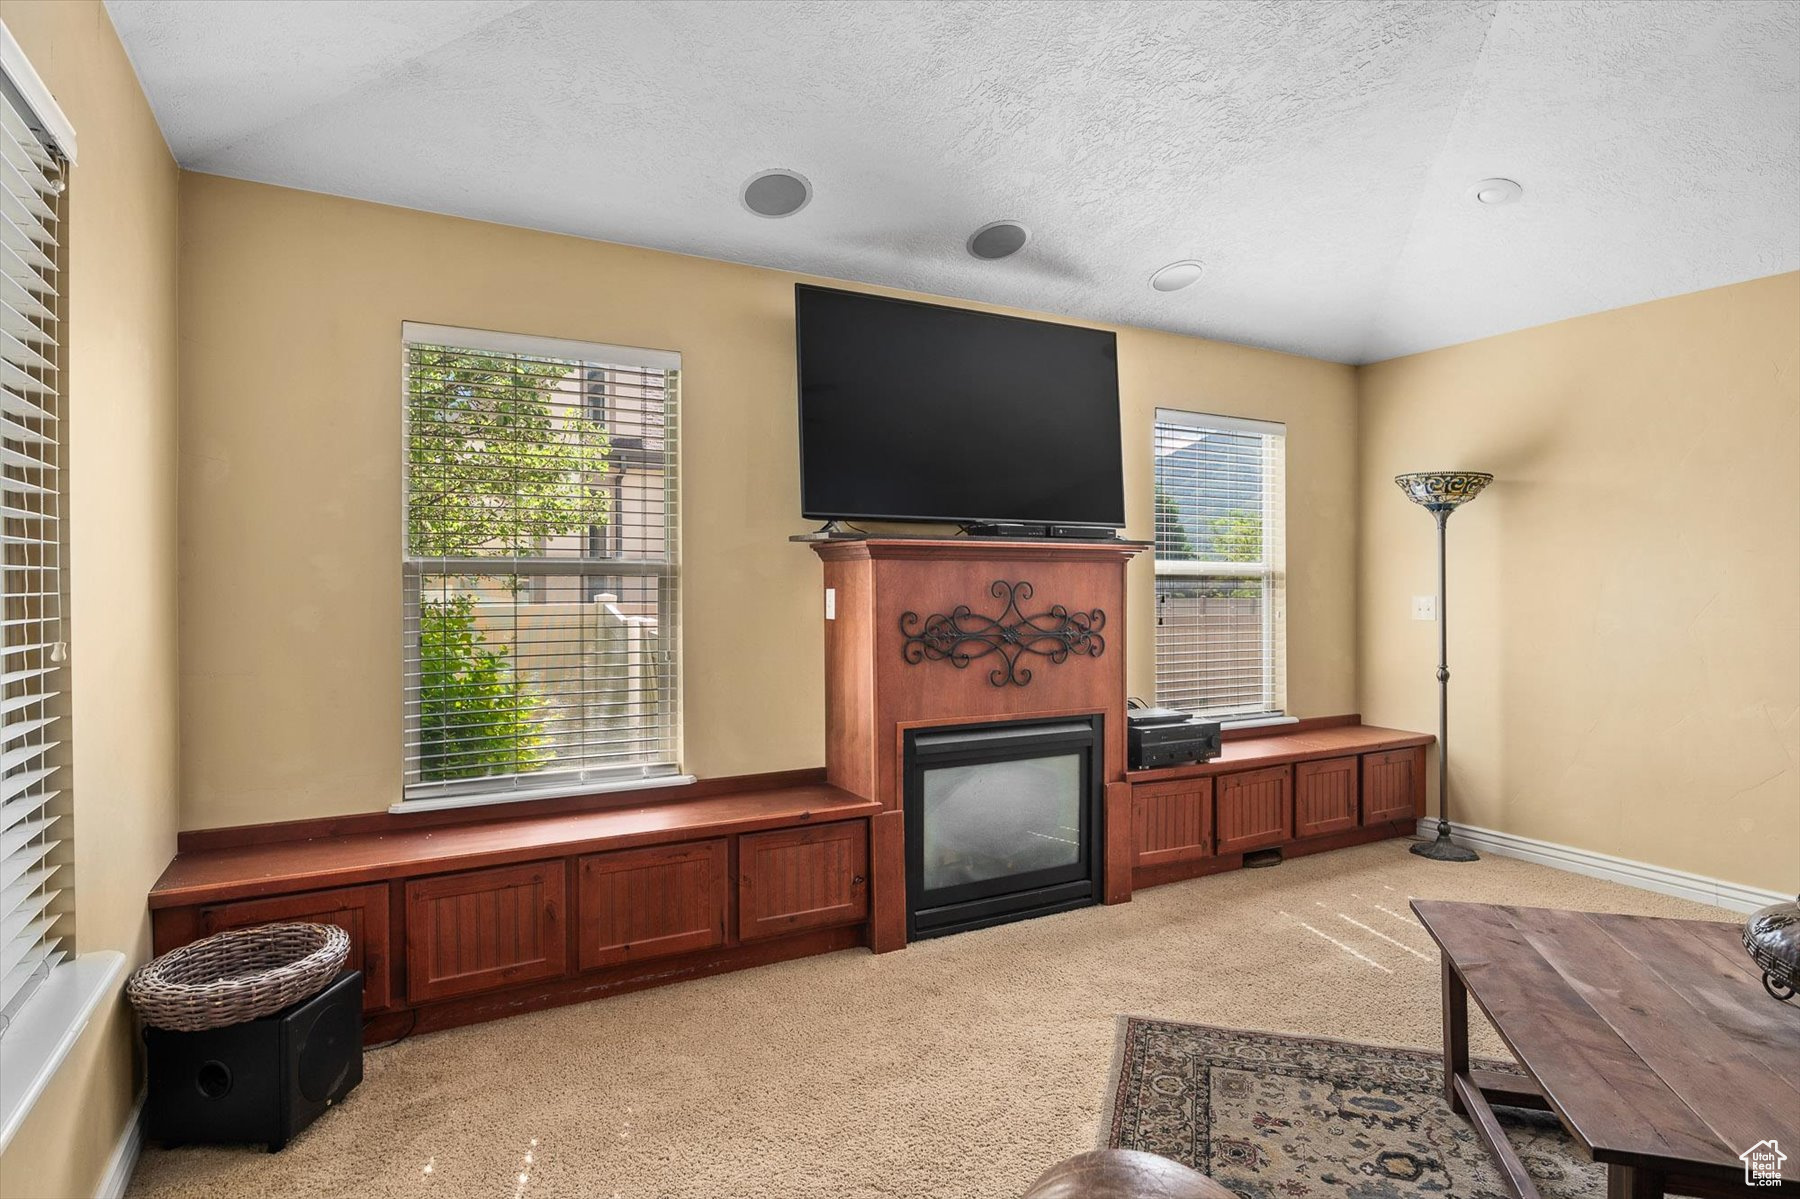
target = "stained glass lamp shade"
x: 1445, y: 489
x: 1441, y: 492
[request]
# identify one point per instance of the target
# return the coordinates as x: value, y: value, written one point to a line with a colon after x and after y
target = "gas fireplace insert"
x: 1003, y: 822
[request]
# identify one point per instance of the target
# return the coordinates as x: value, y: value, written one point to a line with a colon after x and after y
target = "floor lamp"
x: 1441, y: 492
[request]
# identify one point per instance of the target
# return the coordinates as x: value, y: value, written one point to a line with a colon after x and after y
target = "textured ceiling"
x: 1316, y: 157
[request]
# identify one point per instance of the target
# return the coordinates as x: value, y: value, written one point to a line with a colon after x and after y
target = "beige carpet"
x: 956, y: 1068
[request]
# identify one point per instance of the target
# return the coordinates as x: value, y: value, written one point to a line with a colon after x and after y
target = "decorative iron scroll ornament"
x: 961, y: 637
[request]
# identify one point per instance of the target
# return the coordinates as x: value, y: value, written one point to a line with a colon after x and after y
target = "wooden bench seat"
x: 464, y: 916
x: 1279, y: 745
x: 457, y: 916
x: 246, y: 871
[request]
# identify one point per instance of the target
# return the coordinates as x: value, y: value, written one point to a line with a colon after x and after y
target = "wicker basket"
x: 239, y: 975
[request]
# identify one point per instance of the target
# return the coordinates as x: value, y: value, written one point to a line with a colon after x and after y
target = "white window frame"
x: 48, y: 1017
x: 1271, y: 571
x: 417, y: 797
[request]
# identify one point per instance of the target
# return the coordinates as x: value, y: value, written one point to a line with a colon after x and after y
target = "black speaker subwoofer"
x: 263, y: 1080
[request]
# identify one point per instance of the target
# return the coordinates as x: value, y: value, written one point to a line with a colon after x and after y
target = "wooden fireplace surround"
x: 460, y: 916
x: 883, y: 591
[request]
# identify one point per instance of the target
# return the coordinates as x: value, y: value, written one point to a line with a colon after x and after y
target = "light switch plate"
x: 831, y: 603
x: 1424, y: 607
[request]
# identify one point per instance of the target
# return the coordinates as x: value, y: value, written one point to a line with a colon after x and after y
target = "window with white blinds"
x: 541, y: 571
x: 33, y: 818
x: 1220, y: 566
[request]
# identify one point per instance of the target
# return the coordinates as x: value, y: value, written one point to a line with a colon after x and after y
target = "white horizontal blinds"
x: 1220, y: 564
x: 541, y: 576
x: 33, y: 823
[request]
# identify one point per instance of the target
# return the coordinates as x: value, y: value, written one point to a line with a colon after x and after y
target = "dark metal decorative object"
x: 961, y: 637
x: 1772, y: 936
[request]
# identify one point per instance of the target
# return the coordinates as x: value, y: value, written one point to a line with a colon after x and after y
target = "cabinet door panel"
x: 801, y: 878
x: 1393, y: 785
x: 1325, y: 796
x: 360, y: 911
x: 649, y: 903
x: 1172, y: 822
x: 1255, y: 809
x: 484, y: 929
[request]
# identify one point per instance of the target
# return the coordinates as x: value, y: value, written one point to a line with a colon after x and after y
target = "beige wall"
x: 1625, y: 599
x: 291, y: 309
x: 120, y: 284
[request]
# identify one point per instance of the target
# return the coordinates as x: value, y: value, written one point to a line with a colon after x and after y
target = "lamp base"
x: 1444, y: 849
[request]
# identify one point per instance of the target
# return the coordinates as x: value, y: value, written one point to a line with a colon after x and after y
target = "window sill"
x: 1258, y: 722
x: 46, y: 1029
x: 441, y: 802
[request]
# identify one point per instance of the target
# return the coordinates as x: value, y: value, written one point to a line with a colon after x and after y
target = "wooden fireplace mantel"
x: 892, y: 664
x: 872, y: 690
x: 1039, y: 549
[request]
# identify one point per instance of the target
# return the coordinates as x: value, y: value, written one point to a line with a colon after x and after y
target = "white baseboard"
x: 1661, y: 879
x: 124, y: 1156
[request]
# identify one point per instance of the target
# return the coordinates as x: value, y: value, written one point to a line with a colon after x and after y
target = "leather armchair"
x: 1124, y: 1174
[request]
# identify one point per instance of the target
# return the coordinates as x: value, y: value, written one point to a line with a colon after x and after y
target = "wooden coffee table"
x: 1651, y: 1040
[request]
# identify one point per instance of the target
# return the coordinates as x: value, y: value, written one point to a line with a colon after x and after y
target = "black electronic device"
x: 924, y: 412
x: 259, y: 1081
x: 1174, y: 743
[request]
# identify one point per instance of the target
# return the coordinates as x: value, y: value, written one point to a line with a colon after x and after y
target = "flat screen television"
x: 919, y: 412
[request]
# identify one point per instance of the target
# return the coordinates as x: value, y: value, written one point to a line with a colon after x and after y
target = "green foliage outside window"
x: 498, y: 463
x: 1172, y: 543
x: 1238, y: 537
x: 475, y: 717
x: 494, y: 468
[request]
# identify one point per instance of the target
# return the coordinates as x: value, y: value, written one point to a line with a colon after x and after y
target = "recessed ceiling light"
x: 776, y: 193
x: 1177, y: 275
x: 1496, y: 191
x: 998, y: 239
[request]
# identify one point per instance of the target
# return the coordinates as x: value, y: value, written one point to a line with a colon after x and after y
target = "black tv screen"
x: 915, y: 411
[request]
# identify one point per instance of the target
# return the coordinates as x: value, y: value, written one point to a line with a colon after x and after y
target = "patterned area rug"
x: 1276, y: 1117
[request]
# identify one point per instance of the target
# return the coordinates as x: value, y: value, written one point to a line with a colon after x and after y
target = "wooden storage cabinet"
x: 795, y: 879
x: 484, y: 929
x: 1393, y: 786
x: 1321, y: 785
x: 636, y: 904
x: 1172, y: 822
x: 360, y: 911
x: 455, y: 919
x: 1325, y: 796
x: 1255, y: 809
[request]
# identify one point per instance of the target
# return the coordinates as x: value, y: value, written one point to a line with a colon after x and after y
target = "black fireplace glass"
x: 987, y: 820
x: 1002, y: 822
